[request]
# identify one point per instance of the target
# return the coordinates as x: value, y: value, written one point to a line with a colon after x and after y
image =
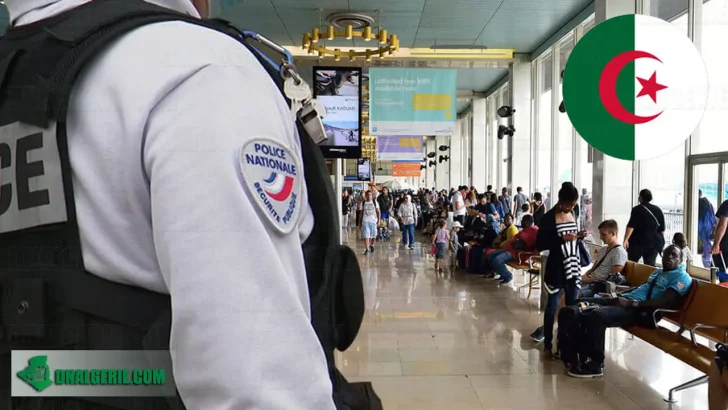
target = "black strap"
x: 599, y: 263
x: 652, y: 287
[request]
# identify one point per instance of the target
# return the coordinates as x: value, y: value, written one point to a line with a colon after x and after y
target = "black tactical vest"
x: 47, y: 299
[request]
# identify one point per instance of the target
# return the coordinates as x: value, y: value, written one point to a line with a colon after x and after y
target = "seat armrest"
x: 534, y: 260
x: 656, y: 311
x: 706, y: 326
x: 523, y: 254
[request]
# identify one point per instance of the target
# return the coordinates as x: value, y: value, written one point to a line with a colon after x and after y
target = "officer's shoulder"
x: 179, y: 45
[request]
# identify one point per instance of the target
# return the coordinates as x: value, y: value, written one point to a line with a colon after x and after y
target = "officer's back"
x: 157, y: 125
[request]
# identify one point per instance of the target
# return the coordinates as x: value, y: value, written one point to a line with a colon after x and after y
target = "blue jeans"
x: 408, y: 235
x: 550, y: 314
x: 497, y: 261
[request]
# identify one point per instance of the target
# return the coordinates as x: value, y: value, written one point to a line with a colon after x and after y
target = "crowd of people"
x: 482, y: 232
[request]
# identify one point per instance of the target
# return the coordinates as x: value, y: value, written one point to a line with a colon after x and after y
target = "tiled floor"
x: 462, y: 343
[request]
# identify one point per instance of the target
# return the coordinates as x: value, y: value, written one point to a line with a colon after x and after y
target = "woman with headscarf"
x: 407, y: 214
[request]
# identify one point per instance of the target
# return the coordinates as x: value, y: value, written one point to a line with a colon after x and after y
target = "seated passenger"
x: 608, y: 264
x: 524, y: 241
x: 525, y: 210
x: 507, y: 233
x: 582, y: 330
x: 679, y: 240
x: 489, y: 231
x: 497, y: 207
x: 482, y: 205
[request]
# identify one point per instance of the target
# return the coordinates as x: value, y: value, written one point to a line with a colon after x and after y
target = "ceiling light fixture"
x: 388, y: 43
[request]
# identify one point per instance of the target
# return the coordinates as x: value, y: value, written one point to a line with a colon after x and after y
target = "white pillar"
x: 519, y: 163
x: 466, y: 130
x: 456, y: 154
x: 430, y: 147
x: 478, y: 154
x: 442, y: 174
x: 614, y: 191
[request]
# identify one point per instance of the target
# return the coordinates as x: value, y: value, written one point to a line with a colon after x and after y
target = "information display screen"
x: 364, y: 169
x: 338, y: 89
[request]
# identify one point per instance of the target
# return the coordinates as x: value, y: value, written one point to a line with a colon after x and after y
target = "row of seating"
x: 688, y: 333
x: 701, y: 321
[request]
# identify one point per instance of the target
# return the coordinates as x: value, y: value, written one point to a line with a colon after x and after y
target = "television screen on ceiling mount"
x: 339, y: 90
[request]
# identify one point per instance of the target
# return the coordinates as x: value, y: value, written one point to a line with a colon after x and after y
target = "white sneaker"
x: 496, y: 277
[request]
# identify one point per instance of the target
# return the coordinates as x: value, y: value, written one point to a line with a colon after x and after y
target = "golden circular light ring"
x: 351, y: 53
x: 391, y: 43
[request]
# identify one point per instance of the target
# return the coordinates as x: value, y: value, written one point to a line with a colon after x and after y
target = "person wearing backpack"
x: 645, y: 234
x: 174, y: 202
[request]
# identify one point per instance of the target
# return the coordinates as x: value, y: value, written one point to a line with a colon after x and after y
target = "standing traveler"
x: 370, y: 221
x: 645, y: 235
x: 518, y: 200
x: 505, y: 199
x: 707, y: 222
x: 345, y: 205
x: 407, y: 214
x: 458, y: 204
x: 558, y: 233
x: 386, y: 203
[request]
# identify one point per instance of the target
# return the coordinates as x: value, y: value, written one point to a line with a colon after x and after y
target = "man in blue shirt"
x: 582, y: 329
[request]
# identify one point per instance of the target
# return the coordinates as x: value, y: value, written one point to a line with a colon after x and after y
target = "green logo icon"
x: 37, y: 374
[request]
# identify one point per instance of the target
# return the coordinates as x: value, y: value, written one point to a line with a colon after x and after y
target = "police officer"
x: 165, y: 129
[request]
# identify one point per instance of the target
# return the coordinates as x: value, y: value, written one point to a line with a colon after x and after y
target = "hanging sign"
x: 406, y: 168
x: 412, y: 101
x: 394, y: 147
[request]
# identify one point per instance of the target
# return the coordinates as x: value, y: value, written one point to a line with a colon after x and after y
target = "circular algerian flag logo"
x: 635, y: 87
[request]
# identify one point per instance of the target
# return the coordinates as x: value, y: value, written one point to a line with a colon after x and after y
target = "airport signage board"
x: 412, y: 101
x: 399, y: 147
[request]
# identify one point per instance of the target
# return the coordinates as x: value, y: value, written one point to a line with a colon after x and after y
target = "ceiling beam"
x: 469, y: 94
x: 395, y: 62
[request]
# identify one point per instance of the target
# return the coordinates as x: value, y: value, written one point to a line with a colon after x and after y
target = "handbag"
x: 433, y: 250
x: 584, y: 258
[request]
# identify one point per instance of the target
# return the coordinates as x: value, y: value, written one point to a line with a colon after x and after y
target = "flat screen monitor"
x: 364, y: 169
x: 338, y: 89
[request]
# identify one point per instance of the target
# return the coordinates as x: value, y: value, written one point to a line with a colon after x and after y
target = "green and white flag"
x: 635, y: 87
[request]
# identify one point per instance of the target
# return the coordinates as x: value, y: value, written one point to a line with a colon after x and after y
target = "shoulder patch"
x: 680, y: 285
x: 272, y: 174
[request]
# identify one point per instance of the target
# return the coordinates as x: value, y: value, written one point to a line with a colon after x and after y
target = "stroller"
x: 384, y: 233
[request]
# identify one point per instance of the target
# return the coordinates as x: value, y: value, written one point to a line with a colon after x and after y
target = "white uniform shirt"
x: 155, y: 128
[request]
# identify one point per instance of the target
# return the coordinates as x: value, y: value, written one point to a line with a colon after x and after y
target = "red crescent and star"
x: 608, y: 87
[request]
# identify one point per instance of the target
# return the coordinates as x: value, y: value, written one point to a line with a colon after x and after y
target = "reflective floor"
x: 462, y: 343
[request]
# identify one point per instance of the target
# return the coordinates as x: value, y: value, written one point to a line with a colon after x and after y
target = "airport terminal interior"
x: 456, y: 339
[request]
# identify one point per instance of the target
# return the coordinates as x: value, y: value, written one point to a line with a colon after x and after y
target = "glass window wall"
x: 543, y: 131
x: 712, y: 137
x: 566, y: 130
